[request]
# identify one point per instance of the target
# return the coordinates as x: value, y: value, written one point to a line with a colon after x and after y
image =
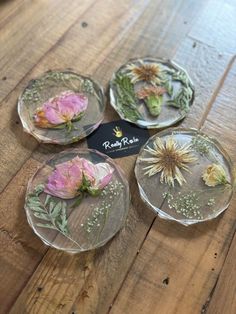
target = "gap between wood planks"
x: 202, y: 121
x: 216, y: 92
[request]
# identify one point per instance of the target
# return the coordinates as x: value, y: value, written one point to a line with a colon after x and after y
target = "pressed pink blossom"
x: 72, y: 177
x: 66, y: 180
x: 61, y: 109
x: 98, y: 175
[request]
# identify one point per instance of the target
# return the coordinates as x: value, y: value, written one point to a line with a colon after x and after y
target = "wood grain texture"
x: 19, y: 256
x: 35, y: 279
x: 31, y: 32
x: 216, y: 26
x: 223, y: 299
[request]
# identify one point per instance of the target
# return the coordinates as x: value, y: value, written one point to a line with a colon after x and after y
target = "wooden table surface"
x: 152, y: 265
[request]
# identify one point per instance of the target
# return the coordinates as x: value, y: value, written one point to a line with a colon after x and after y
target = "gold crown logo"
x: 117, y: 132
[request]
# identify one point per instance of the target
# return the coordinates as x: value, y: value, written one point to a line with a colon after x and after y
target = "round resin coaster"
x: 152, y: 93
x: 61, y: 107
x: 77, y: 201
x: 184, y: 175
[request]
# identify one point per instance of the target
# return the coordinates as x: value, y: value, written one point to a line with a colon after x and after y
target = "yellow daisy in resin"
x: 169, y: 158
x: 147, y: 72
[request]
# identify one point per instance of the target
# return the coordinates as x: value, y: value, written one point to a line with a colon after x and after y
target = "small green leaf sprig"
x: 184, y: 96
x: 52, y: 212
x: 70, y: 81
x: 126, y: 98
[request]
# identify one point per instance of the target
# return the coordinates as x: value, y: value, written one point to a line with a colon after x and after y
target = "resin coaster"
x: 77, y: 201
x: 152, y: 93
x: 184, y: 175
x: 61, y: 107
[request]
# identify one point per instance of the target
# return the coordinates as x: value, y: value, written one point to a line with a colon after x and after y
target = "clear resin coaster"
x: 61, y: 107
x: 77, y: 200
x: 184, y: 175
x: 152, y: 93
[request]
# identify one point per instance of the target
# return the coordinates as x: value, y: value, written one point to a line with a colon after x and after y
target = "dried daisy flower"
x: 169, y: 158
x: 214, y: 175
x: 148, y: 72
x: 152, y: 96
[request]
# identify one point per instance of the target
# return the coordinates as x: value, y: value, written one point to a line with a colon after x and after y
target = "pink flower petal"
x: 103, y: 175
x: 65, y: 180
x: 72, y: 104
x: 52, y: 113
x: 63, y: 108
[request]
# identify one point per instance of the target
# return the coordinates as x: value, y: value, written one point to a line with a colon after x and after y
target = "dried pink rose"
x: 61, y: 109
x: 98, y: 176
x: 72, y: 177
x: 66, y: 180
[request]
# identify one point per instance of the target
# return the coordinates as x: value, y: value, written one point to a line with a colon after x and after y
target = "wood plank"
x: 180, y: 265
x: 20, y: 250
x: 8, y: 10
x: 216, y: 26
x: 24, y: 31
x: 218, y: 124
x: 223, y: 299
x: 130, y: 237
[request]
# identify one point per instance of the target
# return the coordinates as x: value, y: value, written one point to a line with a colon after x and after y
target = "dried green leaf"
x: 56, y: 210
x: 126, y: 98
x: 47, y: 199
x: 42, y: 216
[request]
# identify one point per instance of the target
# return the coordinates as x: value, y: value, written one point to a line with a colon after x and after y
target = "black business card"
x: 118, y: 139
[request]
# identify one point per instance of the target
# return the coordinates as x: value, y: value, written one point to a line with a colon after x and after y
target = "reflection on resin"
x: 197, y: 163
x: 77, y: 201
x: 152, y: 93
x: 61, y: 107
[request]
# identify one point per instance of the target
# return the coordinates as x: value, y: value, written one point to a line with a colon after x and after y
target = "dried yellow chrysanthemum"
x: 147, y: 72
x: 169, y: 158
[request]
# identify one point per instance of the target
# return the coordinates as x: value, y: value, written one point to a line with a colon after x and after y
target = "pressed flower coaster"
x: 185, y: 175
x: 77, y: 201
x: 151, y: 92
x: 61, y: 107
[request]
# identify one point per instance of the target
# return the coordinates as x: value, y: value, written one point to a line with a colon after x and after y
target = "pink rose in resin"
x: 97, y: 176
x: 66, y: 180
x: 61, y: 109
x: 70, y: 178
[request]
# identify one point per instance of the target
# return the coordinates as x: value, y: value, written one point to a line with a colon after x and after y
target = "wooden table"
x: 152, y: 265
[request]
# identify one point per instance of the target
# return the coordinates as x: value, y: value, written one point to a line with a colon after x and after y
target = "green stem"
x: 154, y: 104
